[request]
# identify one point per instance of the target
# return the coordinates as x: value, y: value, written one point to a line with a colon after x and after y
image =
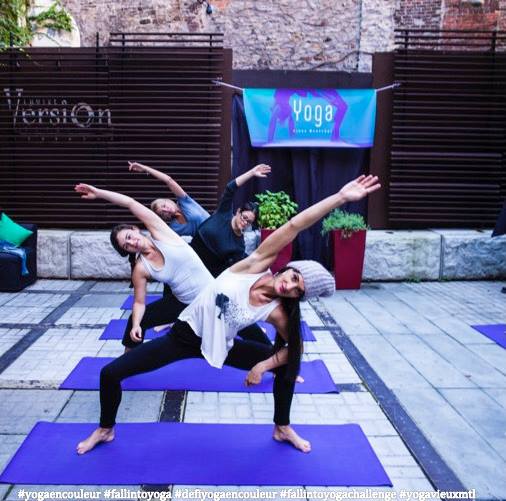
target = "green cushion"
x: 11, y: 231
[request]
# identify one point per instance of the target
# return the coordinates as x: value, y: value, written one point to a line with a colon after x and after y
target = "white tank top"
x: 182, y: 270
x: 221, y: 310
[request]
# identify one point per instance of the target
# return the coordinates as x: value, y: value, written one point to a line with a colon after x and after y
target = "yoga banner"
x: 329, y: 118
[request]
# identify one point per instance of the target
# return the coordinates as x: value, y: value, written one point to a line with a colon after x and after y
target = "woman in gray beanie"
x: 243, y: 294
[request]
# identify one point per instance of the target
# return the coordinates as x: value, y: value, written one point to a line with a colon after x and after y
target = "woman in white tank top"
x: 242, y: 294
x: 163, y: 256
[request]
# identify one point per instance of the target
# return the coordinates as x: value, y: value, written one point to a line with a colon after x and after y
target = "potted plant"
x: 274, y: 210
x: 348, y: 232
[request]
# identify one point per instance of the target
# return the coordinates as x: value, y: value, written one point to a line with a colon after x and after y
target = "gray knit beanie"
x: 317, y: 280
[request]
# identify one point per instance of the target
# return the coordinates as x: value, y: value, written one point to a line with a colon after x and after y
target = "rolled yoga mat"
x: 195, y: 374
x: 116, y: 328
x: 129, y: 301
x: 495, y: 332
x: 195, y: 454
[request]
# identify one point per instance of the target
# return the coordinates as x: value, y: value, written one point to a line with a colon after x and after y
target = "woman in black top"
x: 219, y: 241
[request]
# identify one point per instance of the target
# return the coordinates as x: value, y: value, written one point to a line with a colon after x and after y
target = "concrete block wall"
x: 390, y: 255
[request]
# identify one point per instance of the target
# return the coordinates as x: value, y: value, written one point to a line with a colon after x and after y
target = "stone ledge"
x: 402, y: 255
x: 390, y: 255
x: 472, y: 254
x: 92, y: 256
x: 53, y: 253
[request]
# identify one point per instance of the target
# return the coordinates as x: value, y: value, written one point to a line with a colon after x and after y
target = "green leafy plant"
x: 275, y: 209
x: 56, y: 18
x: 15, y: 22
x: 341, y: 220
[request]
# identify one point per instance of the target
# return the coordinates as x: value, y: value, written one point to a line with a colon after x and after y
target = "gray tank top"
x: 182, y: 270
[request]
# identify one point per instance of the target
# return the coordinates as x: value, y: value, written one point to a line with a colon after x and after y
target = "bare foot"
x: 299, y: 379
x: 98, y: 436
x: 287, y: 434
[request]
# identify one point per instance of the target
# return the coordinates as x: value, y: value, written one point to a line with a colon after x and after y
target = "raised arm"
x: 155, y: 225
x: 268, y: 250
x: 225, y: 204
x: 260, y: 170
x: 173, y: 186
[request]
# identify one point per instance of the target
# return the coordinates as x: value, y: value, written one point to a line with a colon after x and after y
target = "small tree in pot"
x: 274, y: 210
x: 348, y: 234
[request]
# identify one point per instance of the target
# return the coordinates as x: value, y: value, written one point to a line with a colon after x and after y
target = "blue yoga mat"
x: 195, y: 454
x: 495, y: 332
x: 116, y: 328
x: 195, y: 374
x: 129, y: 301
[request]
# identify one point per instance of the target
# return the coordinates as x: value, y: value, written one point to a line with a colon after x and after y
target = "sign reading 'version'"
x: 32, y: 112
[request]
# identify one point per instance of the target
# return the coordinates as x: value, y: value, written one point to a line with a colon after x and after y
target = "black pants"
x: 160, y: 312
x: 167, y: 309
x: 179, y: 344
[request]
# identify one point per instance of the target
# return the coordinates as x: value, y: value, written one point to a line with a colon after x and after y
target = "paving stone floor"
x: 410, y: 370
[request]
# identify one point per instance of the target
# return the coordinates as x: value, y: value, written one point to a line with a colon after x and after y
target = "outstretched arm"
x: 153, y: 223
x: 225, y: 204
x: 260, y: 170
x: 173, y: 186
x: 268, y: 250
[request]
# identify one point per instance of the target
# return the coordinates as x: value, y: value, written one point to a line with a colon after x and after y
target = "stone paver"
x: 43, y: 300
x: 395, y: 370
x: 89, y: 316
x: 100, y: 301
x: 55, y: 285
x: 21, y: 409
x: 5, y: 297
x: 51, y: 358
x: 136, y: 406
x: 474, y: 461
x: 9, y: 337
x: 28, y: 315
x: 483, y: 413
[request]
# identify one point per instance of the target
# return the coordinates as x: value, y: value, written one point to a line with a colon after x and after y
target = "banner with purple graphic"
x: 329, y: 118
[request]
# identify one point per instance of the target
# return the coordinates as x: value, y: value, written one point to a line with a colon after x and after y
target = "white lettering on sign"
x: 309, y: 112
x: 54, y: 111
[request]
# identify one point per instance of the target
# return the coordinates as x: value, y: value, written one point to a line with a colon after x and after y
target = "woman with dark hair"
x: 245, y: 293
x: 219, y: 240
x: 163, y: 256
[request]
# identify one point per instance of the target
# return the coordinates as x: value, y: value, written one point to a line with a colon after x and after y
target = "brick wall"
x: 418, y: 14
x: 462, y: 15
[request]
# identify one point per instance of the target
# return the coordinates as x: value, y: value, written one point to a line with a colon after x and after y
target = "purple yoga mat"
x: 116, y: 328
x: 195, y: 374
x: 129, y: 301
x: 496, y: 332
x: 195, y: 454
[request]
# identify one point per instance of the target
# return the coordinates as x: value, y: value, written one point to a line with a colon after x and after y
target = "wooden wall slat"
x: 164, y: 111
x: 448, y: 130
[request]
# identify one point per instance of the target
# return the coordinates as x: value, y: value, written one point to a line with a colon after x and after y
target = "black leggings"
x: 179, y: 344
x: 160, y: 312
x: 167, y: 309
